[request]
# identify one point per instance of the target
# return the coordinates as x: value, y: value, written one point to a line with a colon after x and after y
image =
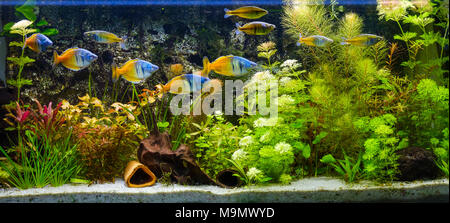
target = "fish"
x: 185, y: 84
x: 134, y: 71
x: 314, y: 40
x: 255, y: 28
x: 38, y: 42
x: 176, y: 69
x: 74, y: 58
x: 362, y: 40
x: 228, y: 65
x: 101, y: 36
x: 246, y: 12
x: 190, y: 83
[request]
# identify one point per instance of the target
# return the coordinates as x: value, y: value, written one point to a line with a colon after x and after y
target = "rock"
x: 416, y: 164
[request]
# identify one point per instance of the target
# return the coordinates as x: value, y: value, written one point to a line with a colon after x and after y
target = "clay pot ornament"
x: 138, y: 175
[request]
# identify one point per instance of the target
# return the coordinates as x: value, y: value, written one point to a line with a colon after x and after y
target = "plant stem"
x: 20, y: 71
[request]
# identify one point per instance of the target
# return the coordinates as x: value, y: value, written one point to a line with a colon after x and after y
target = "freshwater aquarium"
x: 231, y: 94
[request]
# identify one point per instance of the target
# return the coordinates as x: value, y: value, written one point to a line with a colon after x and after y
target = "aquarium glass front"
x: 226, y: 93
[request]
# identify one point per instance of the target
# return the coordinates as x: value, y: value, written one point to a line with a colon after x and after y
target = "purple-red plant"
x: 20, y: 117
x: 46, y: 119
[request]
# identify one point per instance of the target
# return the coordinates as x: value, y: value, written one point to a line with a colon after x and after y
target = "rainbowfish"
x: 255, y: 28
x: 74, y: 58
x: 134, y: 71
x: 106, y: 37
x: 228, y: 65
x: 362, y: 40
x: 38, y: 42
x: 314, y: 40
x: 188, y: 83
x: 246, y: 12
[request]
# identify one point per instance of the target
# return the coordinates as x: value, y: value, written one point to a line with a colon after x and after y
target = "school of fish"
x: 137, y: 71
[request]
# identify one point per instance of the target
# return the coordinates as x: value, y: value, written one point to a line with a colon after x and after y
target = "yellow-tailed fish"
x: 246, y: 12
x: 255, y: 28
x: 362, y: 40
x: 38, y: 42
x: 134, y: 71
x: 187, y: 83
x: 314, y: 40
x: 101, y: 36
x: 74, y: 58
x: 228, y: 65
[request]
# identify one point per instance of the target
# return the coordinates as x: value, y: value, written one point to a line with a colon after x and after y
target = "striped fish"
x: 101, y: 36
x: 255, y: 28
x: 362, y: 40
x: 246, y: 12
x: 134, y: 71
x: 228, y: 65
x: 315, y: 40
x: 185, y: 84
x: 74, y: 58
x: 38, y: 42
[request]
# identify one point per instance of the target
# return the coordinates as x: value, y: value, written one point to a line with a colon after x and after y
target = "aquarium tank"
x: 227, y: 93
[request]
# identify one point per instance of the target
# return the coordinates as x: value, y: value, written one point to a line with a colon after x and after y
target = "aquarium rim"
x: 168, y: 2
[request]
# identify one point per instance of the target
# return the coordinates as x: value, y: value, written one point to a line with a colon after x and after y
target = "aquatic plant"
x: 440, y: 149
x: 347, y: 168
x: 421, y: 40
x: 42, y: 162
x: 267, y: 50
x: 107, y: 138
x: 379, y: 157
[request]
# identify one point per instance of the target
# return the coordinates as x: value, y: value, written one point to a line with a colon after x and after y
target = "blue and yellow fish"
x: 314, y: 40
x: 101, y: 36
x: 38, y: 42
x: 247, y: 12
x: 189, y: 83
x: 134, y: 71
x: 228, y: 65
x: 362, y: 40
x: 255, y: 28
x: 74, y: 58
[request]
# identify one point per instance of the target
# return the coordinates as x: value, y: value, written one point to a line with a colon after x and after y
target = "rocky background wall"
x: 161, y: 35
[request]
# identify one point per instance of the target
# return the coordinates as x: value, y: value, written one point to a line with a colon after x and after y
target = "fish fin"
x: 298, y: 43
x: 300, y: 36
x: 206, y: 68
x: 238, y: 31
x: 122, y: 43
x: 226, y: 13
x: 55, y: 58
x: 115, y: 74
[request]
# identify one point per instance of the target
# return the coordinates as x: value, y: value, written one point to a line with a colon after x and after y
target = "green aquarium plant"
x: 440, y: 149
x: 42, y: 163
x: 425, y: 46
x: 379, y: 157
x: 349, y: 169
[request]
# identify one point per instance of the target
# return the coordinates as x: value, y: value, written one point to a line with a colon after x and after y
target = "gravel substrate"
x: 318, y: 189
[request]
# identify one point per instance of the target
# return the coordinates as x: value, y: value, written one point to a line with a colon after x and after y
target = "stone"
x: 416, y: 164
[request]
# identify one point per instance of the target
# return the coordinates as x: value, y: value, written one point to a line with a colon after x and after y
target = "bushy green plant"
x: 379, y: 157
x: 440, y: 149
x: 43, y: 162
x: 428, y: 112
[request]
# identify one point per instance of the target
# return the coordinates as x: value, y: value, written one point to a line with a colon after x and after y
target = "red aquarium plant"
x: 47, y: 120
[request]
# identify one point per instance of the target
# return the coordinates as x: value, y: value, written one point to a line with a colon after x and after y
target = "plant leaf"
x: 50, y: 32
x: 42, y: 22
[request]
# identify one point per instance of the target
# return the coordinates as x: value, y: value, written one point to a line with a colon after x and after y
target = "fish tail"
x: 115, y: 74
x: 215, y: 84
x: 227, y: 11
x: 238, y: 31
x: 122, y: 43
x: 55, y: 58
x: 206, y: 67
